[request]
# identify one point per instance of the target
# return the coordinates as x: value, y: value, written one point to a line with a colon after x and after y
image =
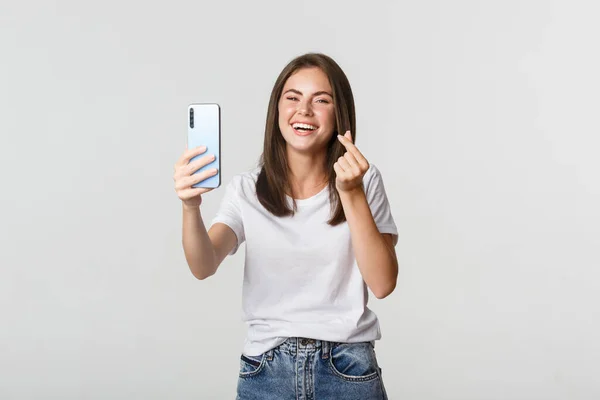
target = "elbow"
x: 201, y: 271
x: 201, y: 274
x: 200, y: 277
x: 384, y: 291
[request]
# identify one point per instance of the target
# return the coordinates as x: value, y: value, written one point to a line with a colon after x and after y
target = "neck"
x: 307, y: 173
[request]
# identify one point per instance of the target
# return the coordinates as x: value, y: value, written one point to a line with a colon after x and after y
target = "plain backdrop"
x: 481, y: 115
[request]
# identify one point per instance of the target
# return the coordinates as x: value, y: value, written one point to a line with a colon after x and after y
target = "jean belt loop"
x: 325, y: 349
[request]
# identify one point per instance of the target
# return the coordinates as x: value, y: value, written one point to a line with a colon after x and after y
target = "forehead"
x: 308, y: 80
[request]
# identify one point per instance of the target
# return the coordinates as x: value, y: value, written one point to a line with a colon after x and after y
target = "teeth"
x: 304, y: 126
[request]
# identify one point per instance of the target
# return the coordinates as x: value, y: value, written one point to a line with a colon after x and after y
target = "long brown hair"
x: 273, y: 180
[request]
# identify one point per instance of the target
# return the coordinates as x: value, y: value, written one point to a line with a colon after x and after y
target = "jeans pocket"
x: 354, y: 361
x: 251, y: 365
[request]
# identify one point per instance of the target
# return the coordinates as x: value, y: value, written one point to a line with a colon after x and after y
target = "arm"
x: 204, y: 251
x: 374, y: 251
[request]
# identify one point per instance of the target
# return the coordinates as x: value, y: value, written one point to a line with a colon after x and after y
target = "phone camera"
x: 191, y: 117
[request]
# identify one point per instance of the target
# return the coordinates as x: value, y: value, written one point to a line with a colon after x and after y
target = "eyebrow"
x: 314, y: 94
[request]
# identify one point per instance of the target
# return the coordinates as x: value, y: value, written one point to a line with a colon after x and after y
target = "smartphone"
x: 204, y: 129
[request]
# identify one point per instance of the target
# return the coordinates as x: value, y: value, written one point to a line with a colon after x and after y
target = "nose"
x: 304, y: 107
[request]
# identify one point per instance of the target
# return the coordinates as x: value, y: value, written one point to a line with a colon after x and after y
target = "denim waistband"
x: 294, y: 344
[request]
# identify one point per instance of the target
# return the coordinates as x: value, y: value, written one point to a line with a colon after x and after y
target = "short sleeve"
x: 230, y: 213
x: 378, y: 203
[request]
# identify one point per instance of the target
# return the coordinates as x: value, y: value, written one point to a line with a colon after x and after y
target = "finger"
x: 188, y: 154
x: 338, y: 170
x: 348, y: 136
x: 189, y: 169
x: 201, y: 162
x: 344, y: 164
x: 352, y: 161
x: 347, y: 143
x: 362, y: 161
x: 188, y: 181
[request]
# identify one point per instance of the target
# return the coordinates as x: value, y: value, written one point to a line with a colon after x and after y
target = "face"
x: 306, y: 110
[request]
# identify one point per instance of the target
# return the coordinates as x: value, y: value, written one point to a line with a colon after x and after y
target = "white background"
x: 481, y: 115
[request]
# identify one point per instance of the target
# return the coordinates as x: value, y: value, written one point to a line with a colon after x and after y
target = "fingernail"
x: 202, y: 148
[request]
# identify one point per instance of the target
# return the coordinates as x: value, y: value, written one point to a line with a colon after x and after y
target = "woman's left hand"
x: 351, y: 167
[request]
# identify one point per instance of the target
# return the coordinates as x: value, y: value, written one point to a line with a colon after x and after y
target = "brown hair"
x: 273, y: 180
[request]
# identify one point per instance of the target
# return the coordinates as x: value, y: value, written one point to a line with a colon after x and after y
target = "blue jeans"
x: 308, y: 369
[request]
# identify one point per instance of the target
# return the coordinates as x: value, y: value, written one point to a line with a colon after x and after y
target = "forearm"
x: 377, y: 264
x: 197, y: 246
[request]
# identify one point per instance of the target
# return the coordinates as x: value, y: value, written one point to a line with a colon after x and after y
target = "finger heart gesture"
x: 351, y: 167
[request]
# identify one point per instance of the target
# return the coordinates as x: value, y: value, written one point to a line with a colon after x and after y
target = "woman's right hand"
x: 184, y: 176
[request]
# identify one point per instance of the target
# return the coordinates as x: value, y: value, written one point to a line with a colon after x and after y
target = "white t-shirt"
x: 300, y: 275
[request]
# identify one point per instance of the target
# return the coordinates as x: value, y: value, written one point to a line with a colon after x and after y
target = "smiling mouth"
x: 304, y: 129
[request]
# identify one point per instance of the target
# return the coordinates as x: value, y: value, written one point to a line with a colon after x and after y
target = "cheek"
x: 327, y: 117
x: 285, y: 111
x: 281, y: 112
x: 284, y: 117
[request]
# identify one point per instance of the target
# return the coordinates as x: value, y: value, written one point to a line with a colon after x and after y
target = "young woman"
x: 318, y: 230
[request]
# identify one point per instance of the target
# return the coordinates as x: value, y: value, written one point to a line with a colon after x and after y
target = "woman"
x: 318, y: 230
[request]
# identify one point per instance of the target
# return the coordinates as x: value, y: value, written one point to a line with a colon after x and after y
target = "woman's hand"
x: 351, y: 167
x: 184, y: 176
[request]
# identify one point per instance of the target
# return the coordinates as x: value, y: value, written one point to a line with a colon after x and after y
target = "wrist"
x: 354, y: 193
x: 191, y: 208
